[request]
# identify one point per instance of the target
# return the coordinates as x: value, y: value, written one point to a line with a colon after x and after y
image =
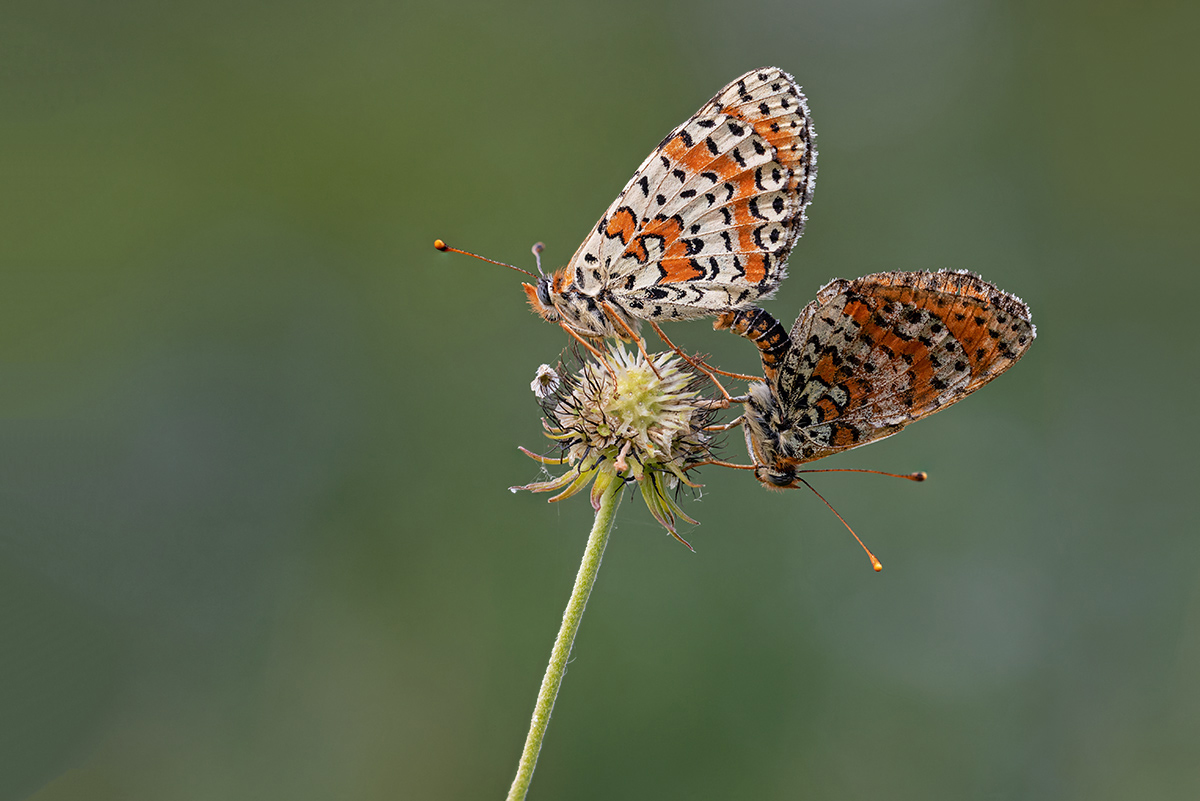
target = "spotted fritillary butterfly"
x: 706, y: 223
x: 870, y: 356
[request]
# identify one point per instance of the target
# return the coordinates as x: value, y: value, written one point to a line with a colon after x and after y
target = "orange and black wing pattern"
x: 870, y: 356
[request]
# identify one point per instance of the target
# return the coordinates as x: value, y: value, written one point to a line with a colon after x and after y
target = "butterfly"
x: 706, y: 223
x: 869, y: 356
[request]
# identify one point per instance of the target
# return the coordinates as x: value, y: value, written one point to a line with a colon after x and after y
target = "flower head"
x: 626, y: 419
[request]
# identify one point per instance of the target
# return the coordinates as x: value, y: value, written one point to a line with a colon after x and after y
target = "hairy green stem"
x: 609, y: 500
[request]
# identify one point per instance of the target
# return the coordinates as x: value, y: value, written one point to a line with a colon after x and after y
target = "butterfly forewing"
x: 870, y: 356
x: 708, y: 220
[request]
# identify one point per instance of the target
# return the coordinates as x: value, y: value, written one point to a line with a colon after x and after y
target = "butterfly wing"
x: 872, y: 355
x: 708, y: 220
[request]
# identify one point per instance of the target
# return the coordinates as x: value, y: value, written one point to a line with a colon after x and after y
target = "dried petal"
x: 545, y: 382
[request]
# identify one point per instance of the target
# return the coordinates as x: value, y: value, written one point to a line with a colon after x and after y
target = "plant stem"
x: 605, y: 514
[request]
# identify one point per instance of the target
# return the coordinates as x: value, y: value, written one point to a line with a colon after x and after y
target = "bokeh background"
x: 256, y: 435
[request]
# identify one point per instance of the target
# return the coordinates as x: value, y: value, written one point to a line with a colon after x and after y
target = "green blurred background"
x: 256, y: 435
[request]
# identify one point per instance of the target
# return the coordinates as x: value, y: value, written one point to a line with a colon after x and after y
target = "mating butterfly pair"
x: 704, y: 228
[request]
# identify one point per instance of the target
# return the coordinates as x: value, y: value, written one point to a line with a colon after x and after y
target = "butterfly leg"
x: 728, y: 374
x: 734, y: 423
x: 719, y: 463
x: 641, y: 344
x: 599, y: 356
x: 701, y: 365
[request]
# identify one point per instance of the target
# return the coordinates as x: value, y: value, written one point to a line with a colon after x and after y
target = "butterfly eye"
x: 543, y: 292
x: 780, y: 478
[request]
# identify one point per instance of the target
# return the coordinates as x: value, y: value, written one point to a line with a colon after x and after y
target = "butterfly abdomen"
x: 768, y: 335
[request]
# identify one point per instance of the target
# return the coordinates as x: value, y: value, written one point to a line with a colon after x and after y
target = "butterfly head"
x: 549, y: 289
x: 776, y: 476
x: 540, y: 300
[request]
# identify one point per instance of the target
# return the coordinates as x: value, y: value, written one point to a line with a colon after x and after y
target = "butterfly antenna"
x: 920, y: 475
x: 537, y: 249
x: 442, y: 246
x: 875, y: 563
